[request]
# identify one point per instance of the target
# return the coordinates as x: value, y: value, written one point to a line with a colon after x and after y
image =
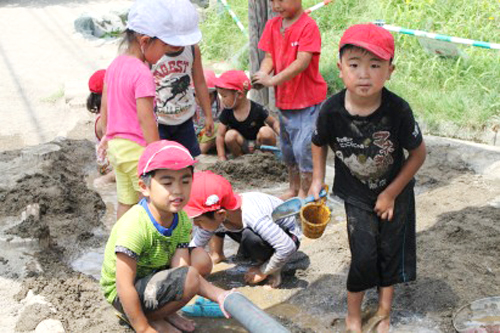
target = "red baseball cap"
x: 96, y: 81
x: 234, y: 80
x: 211, y: 192
x: 370, y: 37
x: 164, y: 154
x: 210, y: 78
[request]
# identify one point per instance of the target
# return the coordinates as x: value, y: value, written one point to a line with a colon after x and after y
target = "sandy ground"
x: 45, y: 68
x: 52, y: 217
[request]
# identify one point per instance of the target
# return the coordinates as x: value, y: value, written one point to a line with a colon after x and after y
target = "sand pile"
x: 261, y: 169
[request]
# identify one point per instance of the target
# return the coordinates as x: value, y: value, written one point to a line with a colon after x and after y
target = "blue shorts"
x: 296, y: 129
x: 183, y: 134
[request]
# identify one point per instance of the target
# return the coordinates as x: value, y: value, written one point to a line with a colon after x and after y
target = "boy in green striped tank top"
x: 149, y: 272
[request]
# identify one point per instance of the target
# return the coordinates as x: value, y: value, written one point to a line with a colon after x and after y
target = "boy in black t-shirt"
x: 242, y: 122
x: 368, y: 128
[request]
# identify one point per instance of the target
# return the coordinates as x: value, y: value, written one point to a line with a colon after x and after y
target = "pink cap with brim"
x: 233, y: 80
x: 370, y: 37
x: 164, y: 154
x: 211, y: 192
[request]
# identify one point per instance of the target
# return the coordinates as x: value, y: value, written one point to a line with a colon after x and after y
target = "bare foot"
x: 104, y: 180
x: 378, y: 323
x: 163, y: 326
x: 274, y: 280
x: 384, y: 325
x: 180, y: 322
x: 352, y: 326
x: 216, y: 258
x: 288, y: 194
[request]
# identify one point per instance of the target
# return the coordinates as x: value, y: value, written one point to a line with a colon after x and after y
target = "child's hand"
x: 384, y: 207
x: 209, y: 127
x: 315, y: 188
x: 262, y: 79
x: 251, y: 146
x: 102, y: 149
x: 254, y: 275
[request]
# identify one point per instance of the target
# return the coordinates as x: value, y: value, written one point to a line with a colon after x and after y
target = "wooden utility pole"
x: 259, y: 12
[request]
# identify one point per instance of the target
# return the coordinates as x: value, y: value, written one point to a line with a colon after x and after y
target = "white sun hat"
x: 175, y: 22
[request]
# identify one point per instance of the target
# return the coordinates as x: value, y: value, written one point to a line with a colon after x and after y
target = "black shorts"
x: 383, y: 253
x: 157, y: 289
x: 183, y: 134
x: 253, y: 246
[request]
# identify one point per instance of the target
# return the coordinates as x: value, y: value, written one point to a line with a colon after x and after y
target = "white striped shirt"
x: 256, y: 214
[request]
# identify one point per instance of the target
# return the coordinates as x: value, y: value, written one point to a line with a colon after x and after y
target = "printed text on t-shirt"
x: 178, y: 66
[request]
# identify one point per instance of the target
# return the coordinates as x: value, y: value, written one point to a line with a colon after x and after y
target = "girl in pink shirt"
x: 128, y: 96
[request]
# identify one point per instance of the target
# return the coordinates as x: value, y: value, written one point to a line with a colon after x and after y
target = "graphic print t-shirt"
x: 249, y: 127
x: 175, y: 102
x: 368, y: 150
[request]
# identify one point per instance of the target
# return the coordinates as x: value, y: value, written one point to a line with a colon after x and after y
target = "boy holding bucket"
x: 217, y: 211
x: 368, y: 127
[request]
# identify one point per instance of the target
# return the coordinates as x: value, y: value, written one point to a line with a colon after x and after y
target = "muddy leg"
x: 216, y: 249
x: 294, y: 177
x: 234, y: 142
x: 168, y: 312
x: 384, y: 308
x: 200, y: 260
x: 274, y: 279
x: 266, y: 136
x: 163, y: 326
x: 305, y: 183
x: 207, y: 146
x: 353, y: 318
x: 180, y: 322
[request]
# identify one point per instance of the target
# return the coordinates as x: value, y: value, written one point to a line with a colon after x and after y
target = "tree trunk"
x: 258, y: 14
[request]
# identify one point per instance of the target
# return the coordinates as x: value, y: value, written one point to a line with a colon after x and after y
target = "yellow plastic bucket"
x: 314, y: 217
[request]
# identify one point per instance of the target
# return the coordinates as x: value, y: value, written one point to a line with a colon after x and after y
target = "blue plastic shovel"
x: 275, y: 150
x: 292, y: 206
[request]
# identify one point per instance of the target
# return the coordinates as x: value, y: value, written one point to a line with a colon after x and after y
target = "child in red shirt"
x: 292, y: 43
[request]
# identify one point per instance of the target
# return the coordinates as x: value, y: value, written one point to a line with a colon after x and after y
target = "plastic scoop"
x: 275, y: 150
x: 292, y: 206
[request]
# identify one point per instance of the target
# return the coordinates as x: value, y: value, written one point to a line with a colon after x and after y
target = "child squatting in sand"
x: 149, y: 272
x: 368, y: 128
x: 218, y: 211
x: 96, y: 85
x: 242, y: 122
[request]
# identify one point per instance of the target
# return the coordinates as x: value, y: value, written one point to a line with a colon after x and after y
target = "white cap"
x: 175, y: 22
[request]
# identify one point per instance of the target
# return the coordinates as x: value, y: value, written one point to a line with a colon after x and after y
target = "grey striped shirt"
x: 256, y: 214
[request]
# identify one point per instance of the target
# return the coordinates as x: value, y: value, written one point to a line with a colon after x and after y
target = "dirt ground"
x: 51, y: 216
